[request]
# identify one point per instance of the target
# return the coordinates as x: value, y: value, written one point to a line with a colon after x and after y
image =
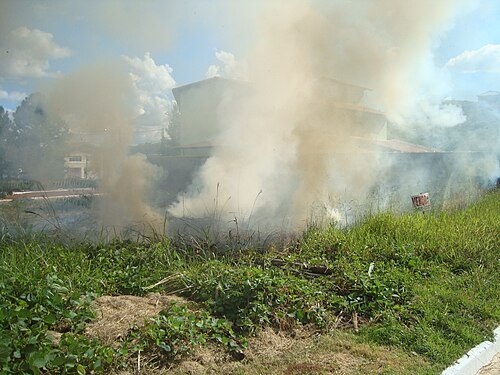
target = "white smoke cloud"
x: 153, y: 84
x: 289, y: 147
x: 484, y: 59
x: 27, y: 53
x: 441, y: 115
x: 230, y: 67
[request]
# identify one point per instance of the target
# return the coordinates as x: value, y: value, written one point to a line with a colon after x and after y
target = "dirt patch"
x: 116, y: 314
x: 493, y: 368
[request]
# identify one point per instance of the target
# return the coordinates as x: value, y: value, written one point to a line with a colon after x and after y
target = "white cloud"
x: 212, y: 71
x: 26, y: 53
x: 14, y: 96
x: 484, y: 59
x: 149, y: 76
x: 153, y: 84
x: 230, y: 68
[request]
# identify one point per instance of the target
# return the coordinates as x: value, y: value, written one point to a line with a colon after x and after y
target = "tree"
x: 5, y: 126
x: 37, y: 142
x: 174, y: 127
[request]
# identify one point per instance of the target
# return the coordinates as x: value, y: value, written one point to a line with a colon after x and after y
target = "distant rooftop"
x: 358, y: 108
x: 202, y: 82
x: 342, y: 83
x: 180, y: 88
x: 395, y: 145
x: 364, y: 144
x: 489, y: 93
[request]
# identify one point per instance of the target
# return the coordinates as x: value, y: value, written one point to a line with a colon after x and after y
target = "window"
x: 75, y: 158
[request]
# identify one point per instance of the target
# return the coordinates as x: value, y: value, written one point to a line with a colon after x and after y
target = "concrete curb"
x: 476, y: 358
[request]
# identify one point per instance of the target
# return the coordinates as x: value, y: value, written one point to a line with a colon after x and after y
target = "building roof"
x: 387, y: 145
x: 489, y: 93
x: 395, y: 145
x: 177, y: 90
x: 358, y: 108
x: 204, y: 144
x: 342, y: 83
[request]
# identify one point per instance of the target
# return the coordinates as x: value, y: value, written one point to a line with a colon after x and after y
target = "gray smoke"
x: 96, y: 103
x: 288, y: 146
x: 325, y: 82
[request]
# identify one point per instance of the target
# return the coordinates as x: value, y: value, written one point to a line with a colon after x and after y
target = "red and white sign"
x: 421, y: 200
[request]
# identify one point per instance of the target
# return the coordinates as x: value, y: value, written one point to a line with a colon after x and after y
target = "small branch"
x: 180, y: 290
x: 355, y: 321
x: 161, y: 282
x: 303, y: 268
x: 338, y: 319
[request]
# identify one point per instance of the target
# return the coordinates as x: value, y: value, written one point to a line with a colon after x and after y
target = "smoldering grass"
x: 212, y: 234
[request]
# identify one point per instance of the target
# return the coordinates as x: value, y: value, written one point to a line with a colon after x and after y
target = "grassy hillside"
x: 417, y: 289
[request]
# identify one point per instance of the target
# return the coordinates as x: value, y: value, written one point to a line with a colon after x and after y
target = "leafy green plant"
x: 250, y: 296
x: 27, y: 317
x: 177, y: 330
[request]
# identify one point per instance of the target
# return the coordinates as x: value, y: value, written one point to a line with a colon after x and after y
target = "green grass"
x: 432, y: 290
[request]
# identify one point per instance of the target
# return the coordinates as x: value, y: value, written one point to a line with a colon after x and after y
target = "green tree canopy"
x: 36, y: 143
x: 6, y: 125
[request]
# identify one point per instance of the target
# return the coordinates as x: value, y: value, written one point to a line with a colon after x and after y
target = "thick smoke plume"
x: 288, y: 147
x: 320, y: 80
x: 96, y: 103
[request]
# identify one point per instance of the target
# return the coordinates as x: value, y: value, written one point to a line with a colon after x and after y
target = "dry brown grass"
x: 117, y: 314
x: 294, y: 352
x: 299, y: 352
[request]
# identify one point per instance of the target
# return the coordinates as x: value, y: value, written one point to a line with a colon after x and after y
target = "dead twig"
x: 179, y: 290
x: 162, y: 281
x: 338, y: 319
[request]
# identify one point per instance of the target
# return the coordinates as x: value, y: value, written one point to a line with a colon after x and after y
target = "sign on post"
x: 421, y: 201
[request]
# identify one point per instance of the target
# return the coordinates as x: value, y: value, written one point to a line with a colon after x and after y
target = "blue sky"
x: 64, y: 35
x: 471, y: 31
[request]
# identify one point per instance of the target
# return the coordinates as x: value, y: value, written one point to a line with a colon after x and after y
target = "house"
x: 76, y: 165
x: 199, y: 124
x: 199, y: 105
x: 490, y: 97
x: 83, y: 162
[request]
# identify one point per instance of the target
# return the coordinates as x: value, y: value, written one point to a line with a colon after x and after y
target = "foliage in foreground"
x: 424, y: 283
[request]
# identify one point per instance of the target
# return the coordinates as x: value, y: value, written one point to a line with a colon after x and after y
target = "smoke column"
x: 96, y: 103
x: 287, y: 146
